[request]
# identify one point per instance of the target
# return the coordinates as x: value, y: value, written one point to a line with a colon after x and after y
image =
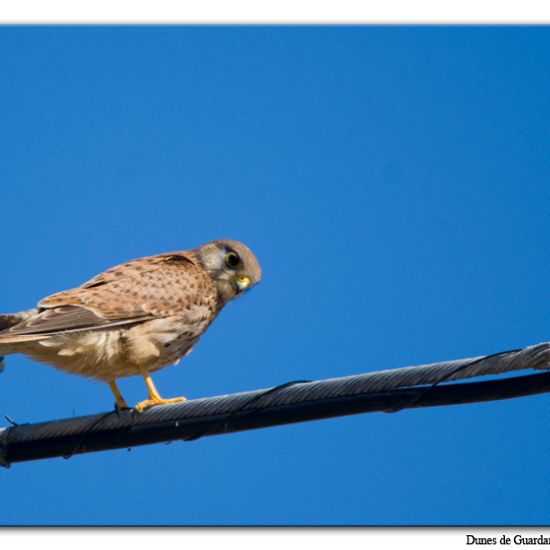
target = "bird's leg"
x: 154, y: 397
x: 120, y: 403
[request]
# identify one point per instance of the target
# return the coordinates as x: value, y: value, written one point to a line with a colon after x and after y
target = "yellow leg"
x: 119, y: 400
x: 154, y: 397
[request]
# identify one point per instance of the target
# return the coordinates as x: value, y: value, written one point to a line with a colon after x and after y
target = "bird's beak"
x: 242, y: 283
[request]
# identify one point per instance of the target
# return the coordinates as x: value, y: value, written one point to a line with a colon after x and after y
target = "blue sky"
x: 393, y: 183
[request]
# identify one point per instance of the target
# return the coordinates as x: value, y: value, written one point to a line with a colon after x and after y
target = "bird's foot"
x: 120, y: 402
x: 152, y: 402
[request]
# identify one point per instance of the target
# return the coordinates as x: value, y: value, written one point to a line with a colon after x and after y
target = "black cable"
x: 296, y: 401
x: 252, y: 400
x: 446, y: 376
x: 87, y: 431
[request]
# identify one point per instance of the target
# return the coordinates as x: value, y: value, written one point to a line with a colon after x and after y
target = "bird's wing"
x: 157, y: 286
x: 135, y: 268
x: 61, y: 319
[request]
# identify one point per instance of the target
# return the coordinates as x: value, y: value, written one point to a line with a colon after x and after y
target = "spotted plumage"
x: 134, y: 318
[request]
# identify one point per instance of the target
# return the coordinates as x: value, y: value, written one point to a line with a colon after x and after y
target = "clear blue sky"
x: 393, y: 183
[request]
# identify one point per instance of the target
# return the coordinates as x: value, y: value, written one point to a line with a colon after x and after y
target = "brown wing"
x: 130, y: 293
x: 135, y: 268
x: 63, y: 319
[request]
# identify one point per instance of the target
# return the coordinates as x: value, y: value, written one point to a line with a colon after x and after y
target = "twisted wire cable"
x: 386, y: 390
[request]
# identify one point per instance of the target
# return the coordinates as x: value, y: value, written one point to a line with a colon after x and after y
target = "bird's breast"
x: 109, y: 354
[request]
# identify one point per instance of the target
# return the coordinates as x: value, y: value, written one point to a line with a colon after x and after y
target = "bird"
x: 134, y: 318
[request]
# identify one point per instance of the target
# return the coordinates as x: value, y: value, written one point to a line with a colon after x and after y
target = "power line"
x: 387, y: 391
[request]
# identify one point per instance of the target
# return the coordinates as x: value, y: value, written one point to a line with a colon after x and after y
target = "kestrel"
x: 135, y: 318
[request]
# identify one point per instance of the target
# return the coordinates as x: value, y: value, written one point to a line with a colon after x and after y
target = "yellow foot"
x: 120, y: 403
x: 142, y: 405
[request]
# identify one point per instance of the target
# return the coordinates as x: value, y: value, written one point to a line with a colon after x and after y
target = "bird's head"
x: 231, y: 265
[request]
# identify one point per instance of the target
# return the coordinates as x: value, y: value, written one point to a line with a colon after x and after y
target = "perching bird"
x: 134, y: 318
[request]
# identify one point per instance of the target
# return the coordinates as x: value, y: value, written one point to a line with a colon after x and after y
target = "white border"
x: 268, y: 539
x: 274, y: 12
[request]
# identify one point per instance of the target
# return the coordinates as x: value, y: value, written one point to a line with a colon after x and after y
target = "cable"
x: 299, y: 401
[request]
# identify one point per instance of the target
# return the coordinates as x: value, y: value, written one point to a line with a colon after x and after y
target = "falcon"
x: 135, y: 318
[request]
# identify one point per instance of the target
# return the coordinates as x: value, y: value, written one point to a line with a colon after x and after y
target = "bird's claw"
x: 147, y: 403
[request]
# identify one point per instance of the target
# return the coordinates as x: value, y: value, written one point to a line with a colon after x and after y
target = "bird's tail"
x: 7, y: 321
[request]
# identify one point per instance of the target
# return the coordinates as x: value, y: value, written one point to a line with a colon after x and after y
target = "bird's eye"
x: 232, y: 260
